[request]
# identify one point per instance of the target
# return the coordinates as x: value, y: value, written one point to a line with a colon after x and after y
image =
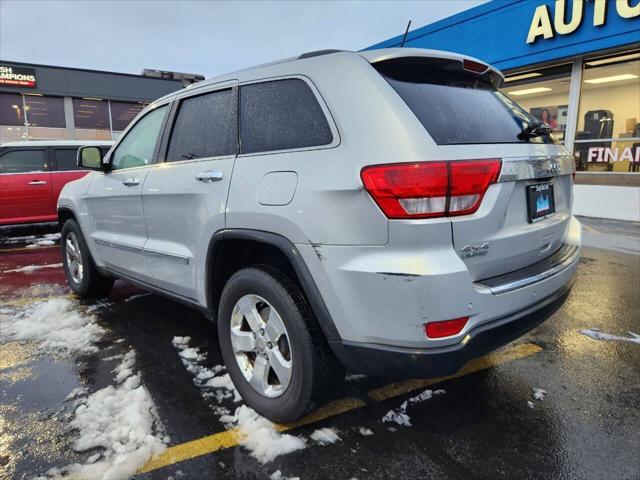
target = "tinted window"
x: 136, y: 149
x: 66, y: 159
x: 122, y: 113
x: 280, y: 115
x: 457, y: 107
x: 21, y: 161
x: 206, y: 126
x: 11, y: 110
x: 92, y: 114
x: 45, y: 111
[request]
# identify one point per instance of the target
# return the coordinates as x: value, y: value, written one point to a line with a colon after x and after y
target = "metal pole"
x: 574, y: 104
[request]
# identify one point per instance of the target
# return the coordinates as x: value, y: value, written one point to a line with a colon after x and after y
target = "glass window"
x: 11, y: 109
x: 22, y: 161
x: 45, y: 111
x: 544, y: 93
x: 122, y: 113
x: 137, y: 147
x: 457, y: 107
x: 280, y: 115
x: 66, y: 159
x: 608, y: 132
x: 206, y: 126
x: 91, y: 114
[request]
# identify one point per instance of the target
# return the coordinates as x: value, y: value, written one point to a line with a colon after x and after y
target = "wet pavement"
x: 487, y: 423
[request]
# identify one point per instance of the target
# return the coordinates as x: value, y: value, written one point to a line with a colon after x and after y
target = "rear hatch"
x: 526, y: 209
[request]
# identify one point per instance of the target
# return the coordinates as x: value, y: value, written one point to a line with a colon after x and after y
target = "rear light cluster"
x: 430, y: 189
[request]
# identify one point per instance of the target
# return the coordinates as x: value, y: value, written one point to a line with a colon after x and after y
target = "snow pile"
x: 257, y: 434
x: 121, y: 421
x: 277, y: 475
x: 325, y: 436
x: 530, y: 404
x: 205, y: 378
x: 56, y: 325
x: 539, y: 393
x: 260, y: 436
x: 45, y: 240
x: 399, y: 415
x: 365, y: 432
x: 33, y: 268
x: 354, y: 377
x: 596, y: 334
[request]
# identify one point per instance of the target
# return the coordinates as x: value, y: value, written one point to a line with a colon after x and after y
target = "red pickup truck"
x: 32, y: 175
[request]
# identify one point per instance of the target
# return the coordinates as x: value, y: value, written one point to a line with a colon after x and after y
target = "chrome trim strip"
x: 561, y: 260
x: 144, y: 251
x: 167, y: 256
x: 121, y: 246
x: 529, y: 168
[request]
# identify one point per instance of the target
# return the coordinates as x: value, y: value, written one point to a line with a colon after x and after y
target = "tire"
x: 86, y: 281
x: 314, y: 370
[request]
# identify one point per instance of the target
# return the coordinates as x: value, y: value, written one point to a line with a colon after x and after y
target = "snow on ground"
x: 256, y: 433
x: 325, y: 436
x: 261, y: 438
x: 56, y: 325
x: 539, y: 393
x: 33, y: 241
x: 33, y: 268
x: 530, y: 404
x: 121, y: 421
x: 354, y: 377
x: 365, y: 432
x: 277, y: 475
x: 399, y: 415
x: 596, y: 334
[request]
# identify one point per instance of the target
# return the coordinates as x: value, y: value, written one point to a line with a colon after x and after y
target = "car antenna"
x: 404, y: 37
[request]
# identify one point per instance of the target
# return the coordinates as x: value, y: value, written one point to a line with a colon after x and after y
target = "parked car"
x: 389, y: 212
x: 32, y: 175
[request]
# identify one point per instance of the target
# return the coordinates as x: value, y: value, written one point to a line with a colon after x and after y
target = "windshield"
x: 457, y: 107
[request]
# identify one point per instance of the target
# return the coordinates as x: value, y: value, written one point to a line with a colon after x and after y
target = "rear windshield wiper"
x: 534, y: 129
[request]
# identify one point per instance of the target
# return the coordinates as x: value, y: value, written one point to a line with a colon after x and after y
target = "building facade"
x: 574, y: 64
x: 40, y: 102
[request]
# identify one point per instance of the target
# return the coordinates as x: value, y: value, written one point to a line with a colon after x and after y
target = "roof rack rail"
x: 318, y: 53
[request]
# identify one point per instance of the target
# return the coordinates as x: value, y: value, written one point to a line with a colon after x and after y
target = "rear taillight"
x: 445, y: 328
x: 430, y: 189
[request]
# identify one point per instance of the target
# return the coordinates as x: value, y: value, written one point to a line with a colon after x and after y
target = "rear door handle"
x: 209, y: 176
x: 37, y: 182
x: 131, y: 182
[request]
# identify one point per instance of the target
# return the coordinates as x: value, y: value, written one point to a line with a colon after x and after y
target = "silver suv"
x: 389, y: 212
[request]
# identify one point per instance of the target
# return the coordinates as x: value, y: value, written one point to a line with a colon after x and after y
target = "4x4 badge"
x: 474, y: 250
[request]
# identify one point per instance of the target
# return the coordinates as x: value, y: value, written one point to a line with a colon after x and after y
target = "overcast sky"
x: 207, y: 37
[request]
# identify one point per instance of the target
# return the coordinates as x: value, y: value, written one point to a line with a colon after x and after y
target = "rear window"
x: 281, y: 115
x: 457, y: 107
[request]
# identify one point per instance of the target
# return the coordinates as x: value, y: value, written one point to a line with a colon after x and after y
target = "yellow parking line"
x: 231, y: 438
x: 25, y: 249
x: 19, y: 302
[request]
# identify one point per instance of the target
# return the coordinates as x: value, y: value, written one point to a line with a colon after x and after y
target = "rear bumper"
x: 386, y: 361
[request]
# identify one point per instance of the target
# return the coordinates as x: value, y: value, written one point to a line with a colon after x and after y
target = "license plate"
x: 540, y: 201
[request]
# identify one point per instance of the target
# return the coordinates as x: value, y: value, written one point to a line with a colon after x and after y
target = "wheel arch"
x: 222, y: 261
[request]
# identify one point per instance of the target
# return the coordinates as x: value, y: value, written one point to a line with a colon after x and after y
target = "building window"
x: 122, y: 113
x: 45, y: 111
x: 11, y: 109
x: 544, y: 93
x: 608, y: 131
x: 91, y: 119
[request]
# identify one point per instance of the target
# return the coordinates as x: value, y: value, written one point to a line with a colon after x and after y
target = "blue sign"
x: 515, y: 33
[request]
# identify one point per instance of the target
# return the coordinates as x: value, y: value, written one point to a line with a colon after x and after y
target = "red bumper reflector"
x: 445, y: 328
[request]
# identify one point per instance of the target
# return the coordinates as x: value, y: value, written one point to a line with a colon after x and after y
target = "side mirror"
x: 90, y: 157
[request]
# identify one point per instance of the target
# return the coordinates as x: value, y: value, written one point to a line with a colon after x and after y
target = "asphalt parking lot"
x: 561, y: 402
